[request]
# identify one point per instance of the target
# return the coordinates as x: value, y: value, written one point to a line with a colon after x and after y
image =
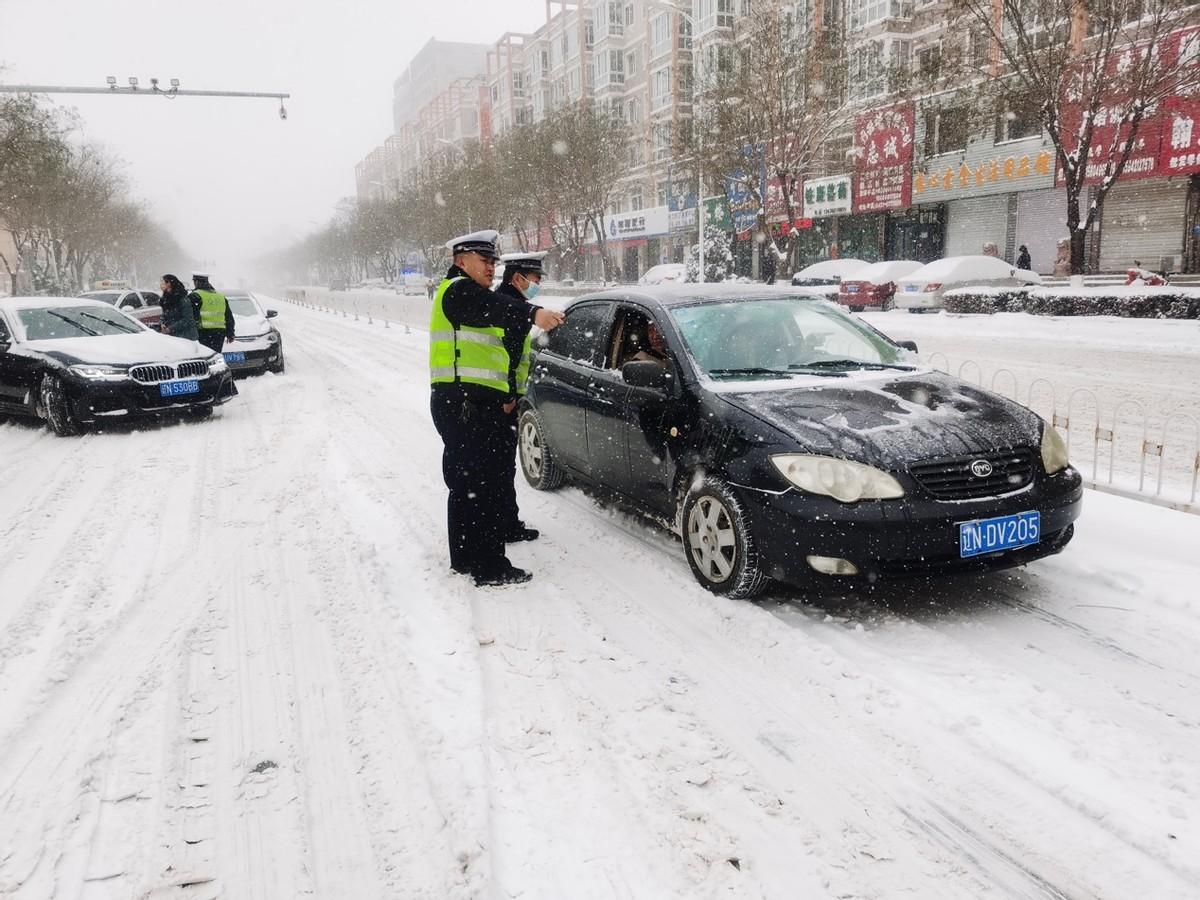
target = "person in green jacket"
x: 214, y: 318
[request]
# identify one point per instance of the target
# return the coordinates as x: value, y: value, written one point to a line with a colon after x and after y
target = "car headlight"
x: 216, y: 363
x: 100, y: 373
x: 840, y: 479
x: 272, y: 337
x: 1054, y: 449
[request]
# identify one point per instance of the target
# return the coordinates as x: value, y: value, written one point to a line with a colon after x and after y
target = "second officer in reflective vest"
x: 214, y: 318
x: 469, y: 371
x: 522, y: 281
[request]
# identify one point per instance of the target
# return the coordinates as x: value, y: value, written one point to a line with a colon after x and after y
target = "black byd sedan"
x: 788, y: 440
x: 76, y: 362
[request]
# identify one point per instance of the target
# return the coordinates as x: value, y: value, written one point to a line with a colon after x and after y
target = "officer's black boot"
x: 515, y: 534
x: 508, y: 574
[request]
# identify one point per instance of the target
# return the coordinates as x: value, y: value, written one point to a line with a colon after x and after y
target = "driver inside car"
x: 651, y: 348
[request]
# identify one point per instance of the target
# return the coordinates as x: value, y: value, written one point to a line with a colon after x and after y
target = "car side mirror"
x: 272, y: 313
x: 908, y: 345
x: 643, y: 373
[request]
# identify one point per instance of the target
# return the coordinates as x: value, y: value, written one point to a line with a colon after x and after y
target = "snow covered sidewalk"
x: 233, y: 663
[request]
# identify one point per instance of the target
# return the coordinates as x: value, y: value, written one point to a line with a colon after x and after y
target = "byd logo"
x: 981, y: 468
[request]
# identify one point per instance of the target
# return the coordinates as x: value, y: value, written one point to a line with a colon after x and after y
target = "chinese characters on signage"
x: 827, y: 197
x: 1167, y: 140
x: 982, y: 174
x: 638, y: 224
x: 884, y: 142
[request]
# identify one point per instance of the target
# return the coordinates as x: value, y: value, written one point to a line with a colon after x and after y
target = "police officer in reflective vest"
x: 469, y: 369
x: 214, y: 318
x: 522, y: 281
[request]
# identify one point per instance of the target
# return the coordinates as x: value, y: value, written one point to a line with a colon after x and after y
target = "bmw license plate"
x: 1001, y: 533
x: 235, y: 357
x: 179, y: 388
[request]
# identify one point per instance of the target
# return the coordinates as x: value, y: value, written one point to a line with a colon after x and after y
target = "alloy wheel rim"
x: 712, y: 540
x: 531, y: 450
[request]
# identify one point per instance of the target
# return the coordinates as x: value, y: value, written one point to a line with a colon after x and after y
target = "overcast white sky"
x: 227, y: 176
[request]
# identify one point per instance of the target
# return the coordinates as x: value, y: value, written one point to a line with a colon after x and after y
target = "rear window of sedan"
x: 56, y: 322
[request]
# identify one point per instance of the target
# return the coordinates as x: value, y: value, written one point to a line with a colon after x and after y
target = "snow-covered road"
x: 233, y: 663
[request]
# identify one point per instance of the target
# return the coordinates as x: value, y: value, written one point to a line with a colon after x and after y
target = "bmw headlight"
x: 840, y: 479
x: 1054, y: 449
x: 272, y: 337
x: 217, y: 364
x: 100, y: 373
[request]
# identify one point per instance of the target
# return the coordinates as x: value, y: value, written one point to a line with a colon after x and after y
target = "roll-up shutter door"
x: 1143, y: 220
x: 972, y: 223
x: 1041, y: 223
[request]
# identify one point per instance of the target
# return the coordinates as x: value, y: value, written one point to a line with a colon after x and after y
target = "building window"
x: 660, y: 35
x: 660, y: 89
x: 663, y: 192
x: 635, y: 154
x: 589, y: 33
x: 929, y: 62
x: 631, y: 63
x: 978, y: 48
x: 714, y: 14
x: 519, y: 79
x: 864, y: 13
x: 633, y: 111
x: 945, y: 131
x: 628, y: 14
x: 616, y: 63
x: 662, y: 142
x: 1016, y: 120
x: 616, y: 19
x: 867, y: 75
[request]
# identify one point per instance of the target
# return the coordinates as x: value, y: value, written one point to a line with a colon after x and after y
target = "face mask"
x: 531, y: 290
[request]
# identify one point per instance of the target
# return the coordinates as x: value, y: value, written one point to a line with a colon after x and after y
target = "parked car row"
x: 788, y: 440
x: 908, y: 284
x: 76, y: 362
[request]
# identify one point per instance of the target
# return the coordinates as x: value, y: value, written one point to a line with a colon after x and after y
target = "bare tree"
x: 775, y: 100
x: 1091, y: 72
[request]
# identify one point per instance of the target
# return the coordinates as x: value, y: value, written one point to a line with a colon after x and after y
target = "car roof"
x: 669, y: 295
x: 15, y: 303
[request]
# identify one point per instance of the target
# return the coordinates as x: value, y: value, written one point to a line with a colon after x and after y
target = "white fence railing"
x: 1127, y: 448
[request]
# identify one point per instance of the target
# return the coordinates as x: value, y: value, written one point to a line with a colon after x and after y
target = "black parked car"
x: 74, y: 362
x: 787, y: 440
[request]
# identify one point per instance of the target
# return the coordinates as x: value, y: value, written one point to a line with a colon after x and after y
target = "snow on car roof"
x: 688, y: 293
x: 957, y: 268
x: 832, y: 267
x: 888, y: 270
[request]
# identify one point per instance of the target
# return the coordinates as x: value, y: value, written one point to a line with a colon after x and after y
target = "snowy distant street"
x: 233, y: 662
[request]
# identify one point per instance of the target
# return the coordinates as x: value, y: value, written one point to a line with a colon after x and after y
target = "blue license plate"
x: 179, y: 388
x: 1001, y: 533
x: 912, y: 289
x: 236, y: 356
x: 852, y: 288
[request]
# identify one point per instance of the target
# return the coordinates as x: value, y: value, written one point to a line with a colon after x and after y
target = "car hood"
x: 250, y: 326
x: 894, y: 420
x: 120, y: 349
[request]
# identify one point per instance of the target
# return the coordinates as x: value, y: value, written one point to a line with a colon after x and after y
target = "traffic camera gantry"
x: 133, y: 89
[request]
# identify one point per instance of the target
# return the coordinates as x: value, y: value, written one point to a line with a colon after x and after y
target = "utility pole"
x: 134, y: 90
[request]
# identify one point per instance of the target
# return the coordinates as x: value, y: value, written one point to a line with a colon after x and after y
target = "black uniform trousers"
x: 510, y: 515
x: 213, y: 338
x: 474, y: 430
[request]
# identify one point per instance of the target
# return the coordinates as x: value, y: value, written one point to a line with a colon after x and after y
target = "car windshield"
x: 243, y: 306
x: 781, y: 337
x: 54, y: 322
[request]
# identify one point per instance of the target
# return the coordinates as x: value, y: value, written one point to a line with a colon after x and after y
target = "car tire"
x: 537, y: 459
x: 57, y: 407
x: 857, y: 309
x: 717, y: 540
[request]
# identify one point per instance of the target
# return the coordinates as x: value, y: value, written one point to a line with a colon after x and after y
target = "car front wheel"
x: 716, y: 536
x: 58, y: 407
x: 537, y: 460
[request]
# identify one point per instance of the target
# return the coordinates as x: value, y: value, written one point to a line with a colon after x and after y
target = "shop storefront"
x: 1144, y: 220
x: 1041, y: 224
x: 916, y: 233
x: 636, y: 239
x: 883, y: 190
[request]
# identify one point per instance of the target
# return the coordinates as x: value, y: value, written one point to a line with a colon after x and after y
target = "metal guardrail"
x: 1165, y: 454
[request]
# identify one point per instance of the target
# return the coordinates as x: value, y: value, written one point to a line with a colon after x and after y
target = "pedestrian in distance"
x: 522, y: 281
x: 178, y: 319
x: 213, y: 316
x: 1024, y: 261
x: 469, y: 371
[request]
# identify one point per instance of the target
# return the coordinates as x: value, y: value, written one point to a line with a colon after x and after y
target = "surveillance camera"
x: 283, y: 112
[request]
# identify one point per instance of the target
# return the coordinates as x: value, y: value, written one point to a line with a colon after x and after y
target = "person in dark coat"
x: 469, y: 373
x: 522, y: 281
x: 1023, y: 259
x: 178, y: 319
x: 213, y: 315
